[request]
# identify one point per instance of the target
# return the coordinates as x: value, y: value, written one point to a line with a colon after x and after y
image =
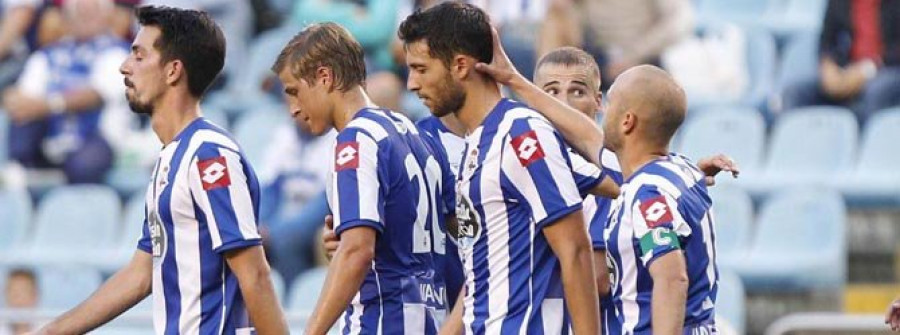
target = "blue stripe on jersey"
x: 170, y: 264
x: 551, y: 196
x: 211, y: 277
x: 480, y: 268
x: 349, y: 197
x: 520, y: 237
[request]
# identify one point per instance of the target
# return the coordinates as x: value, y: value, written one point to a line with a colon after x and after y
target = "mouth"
x: 128, y: 83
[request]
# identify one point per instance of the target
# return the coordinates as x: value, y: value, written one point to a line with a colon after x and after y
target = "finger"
x: 329, y: 221
x: 710, y: 181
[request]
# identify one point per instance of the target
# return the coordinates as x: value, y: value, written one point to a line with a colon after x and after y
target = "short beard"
x: 140, y: 108
x: 452, y: 99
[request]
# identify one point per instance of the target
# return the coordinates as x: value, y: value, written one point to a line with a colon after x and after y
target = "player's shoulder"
x: 205, y: 138
x: 430, y: 125
x: 378, y: 124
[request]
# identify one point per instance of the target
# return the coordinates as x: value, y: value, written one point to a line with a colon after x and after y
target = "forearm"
x: 454, y: 324
x: 122, y: 291
x: 579, y: 131
x: 346, y: 273
x: 82, y: 100
x: 601, y: 273
x: 607, y: 188
x: 669, y: 298
x: 14, y: 24
x: 580, y: 290
x: 262, y: 304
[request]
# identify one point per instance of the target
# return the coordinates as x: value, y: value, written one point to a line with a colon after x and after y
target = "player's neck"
x: 453, y: 125
x: 481, y: 97
x: 633, y: 160
x: 347, y: 104
x: 172, y: 115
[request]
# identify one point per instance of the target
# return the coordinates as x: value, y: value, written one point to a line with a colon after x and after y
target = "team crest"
x: 469, y: 224
x: 158, y: 238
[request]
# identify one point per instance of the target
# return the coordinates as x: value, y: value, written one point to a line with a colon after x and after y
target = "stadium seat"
x: 809, y: 146
x: 245, y: 92
x: 762, y: 58
x: 253, y: 131
x: 78, y: 218
x: 61, y: 288
x: 739, y: 132
x: 791, y: 17
x: 15, y: 211
x: 799, y: 61
x: 800, y: 244
x: 305, y: 290
x: 279, y: 285
x: 733, y: 215
x: 4, y: 137
x: 731, y: 300
x: 875, y: 180
x: 129, y: 180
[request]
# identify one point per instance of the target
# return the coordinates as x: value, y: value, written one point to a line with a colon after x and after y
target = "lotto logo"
x: 346, y: 156
x: 656, y: 211
x: 527, y: 148
x: 214, y: 173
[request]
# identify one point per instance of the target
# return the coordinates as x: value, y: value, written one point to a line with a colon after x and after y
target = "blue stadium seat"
x: 129, y: 180
x: 809, y: 146
x: 279, y: 285
x: 77, y: 217
x: 799, y: 61
x: 4, y: 137
x: 876, y: 179
x: 762, y: 58
x: 253, y: 131
x: 245, y: 92
x: 791, y: 17
x: 731, y: 302
x: 744, y: 12
x: 733, y: 215
x: 15, y: 211
x: 61, y: 288
x: 739, y: 132
x: 305, y: 290
x: 128, y: 233
x: 800, y: 243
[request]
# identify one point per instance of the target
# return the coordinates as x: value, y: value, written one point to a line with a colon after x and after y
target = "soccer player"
x: 520, y: 228
x: 571, y: 75
x: 200, y: 252
x: 384, y: 192
x: 660, y: 239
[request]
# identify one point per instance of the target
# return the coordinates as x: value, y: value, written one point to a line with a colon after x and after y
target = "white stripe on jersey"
x: 551, y: 309
x: 240, y: 195
x: 630, y: 308
x: 414, y: 318
x: 373, y: 128
x: 498, y: 238
x: 159, y: 300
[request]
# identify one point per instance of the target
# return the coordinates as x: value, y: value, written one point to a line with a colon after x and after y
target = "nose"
x: 412, y: 83
x: 124, y: 69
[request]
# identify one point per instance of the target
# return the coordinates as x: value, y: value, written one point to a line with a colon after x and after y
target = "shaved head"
x: 653, y: 99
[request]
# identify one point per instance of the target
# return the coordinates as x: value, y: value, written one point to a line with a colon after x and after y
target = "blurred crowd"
x: 65, y: 119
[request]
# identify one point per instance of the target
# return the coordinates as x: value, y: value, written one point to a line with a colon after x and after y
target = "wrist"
x: 56, y: 103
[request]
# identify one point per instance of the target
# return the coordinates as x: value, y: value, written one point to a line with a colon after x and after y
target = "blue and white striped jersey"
x: 515, y: 180
x: 663, y: 207
x: 202, y: 202
x: 596, y: 211
x: 586, y: 174
x: 387, y: 178
x: 449, y: 149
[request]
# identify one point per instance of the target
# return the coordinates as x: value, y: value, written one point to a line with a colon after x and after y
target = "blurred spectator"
x: 624, y: 33
x: 56, y: 106
x: 21, y: 292
x: 859, y: 59
x: 235, y: 17
x: 373, y: 23
x: 519, y: 21
x: 17, y: 22
x: 294, y: 205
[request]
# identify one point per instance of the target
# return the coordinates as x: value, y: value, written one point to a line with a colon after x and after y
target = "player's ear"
x: 174, y: 70
x: 461, y: 66
x: 629, y: 122
x: 324, y: 76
